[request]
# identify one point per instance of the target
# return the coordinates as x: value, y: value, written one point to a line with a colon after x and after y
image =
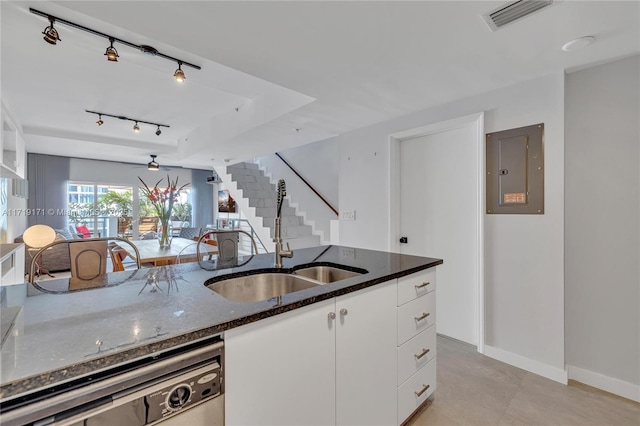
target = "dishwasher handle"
x: 77, y: 414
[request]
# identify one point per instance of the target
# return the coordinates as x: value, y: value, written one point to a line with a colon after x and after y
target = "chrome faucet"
x: 280, y: 251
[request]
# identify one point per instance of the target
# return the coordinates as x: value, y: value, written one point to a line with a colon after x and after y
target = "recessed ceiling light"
x: 578, y: 43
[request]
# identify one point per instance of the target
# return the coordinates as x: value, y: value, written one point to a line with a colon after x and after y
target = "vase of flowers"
x: 162, y: 200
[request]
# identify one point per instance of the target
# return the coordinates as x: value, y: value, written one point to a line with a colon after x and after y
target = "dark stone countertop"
x: 56, y: 330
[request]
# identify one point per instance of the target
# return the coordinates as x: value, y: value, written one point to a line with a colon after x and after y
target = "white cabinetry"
x: 12, y: 148
x: 327, y: 363
x: 365, y: 351
x: 416, y: 351
x: 281, y: 370
x: 12, y: 266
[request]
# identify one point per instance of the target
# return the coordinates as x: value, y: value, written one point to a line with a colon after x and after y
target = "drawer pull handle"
x: 423, y: 285
x: 332, y: 315
x: 424, y: 352
x: 421, y: 317
x: 424, y: 389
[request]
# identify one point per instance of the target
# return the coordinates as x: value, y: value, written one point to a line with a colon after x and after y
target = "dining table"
x: 151, y: 252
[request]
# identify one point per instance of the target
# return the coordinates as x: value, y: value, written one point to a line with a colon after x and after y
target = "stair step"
x: 271, y: 211
x: 257, y: 186
x: 284, y: 220
x: 245, y: 165
x: 241, y: 171
x: 262, y: 195
x: 303, y: 242
x: 241, y: 179
x: 262, y: 202
x: 252, y: 166
x: 244, y: 178
x: 259, y: 193
x: 294, y: 231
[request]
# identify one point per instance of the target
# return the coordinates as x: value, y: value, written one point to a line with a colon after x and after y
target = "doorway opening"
x: 437, y: 181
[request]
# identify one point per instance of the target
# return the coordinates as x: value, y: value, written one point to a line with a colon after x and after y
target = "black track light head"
x: 111, y: 53
x: 153, y: 165
x: 137, y: 121
x: 179, y: 74
x: 51, y: 34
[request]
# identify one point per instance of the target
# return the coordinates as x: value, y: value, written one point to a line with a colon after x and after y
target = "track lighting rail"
x: 136, y: 128
x: 143, y: 48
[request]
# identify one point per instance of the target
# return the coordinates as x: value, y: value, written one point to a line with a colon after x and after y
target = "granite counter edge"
x: 79, y: 371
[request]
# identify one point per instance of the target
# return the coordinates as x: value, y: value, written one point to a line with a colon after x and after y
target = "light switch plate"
x: 348, y: 215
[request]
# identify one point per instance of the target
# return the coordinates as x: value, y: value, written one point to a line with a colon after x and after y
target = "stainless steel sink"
x: 326, y: 274
x: 254, y: 288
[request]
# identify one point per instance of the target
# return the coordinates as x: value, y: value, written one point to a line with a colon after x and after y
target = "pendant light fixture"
x: 153, y: 165
x: 179, y: 74
x: 111, y: 53
x: 50, y: 33
x: 51, y: 37
x: 136, y: 126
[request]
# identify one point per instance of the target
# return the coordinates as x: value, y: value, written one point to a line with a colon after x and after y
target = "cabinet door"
x: 366, y: 373
x: 281, y: 370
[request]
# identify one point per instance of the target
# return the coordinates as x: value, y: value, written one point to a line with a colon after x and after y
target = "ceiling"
x: 275, y: 75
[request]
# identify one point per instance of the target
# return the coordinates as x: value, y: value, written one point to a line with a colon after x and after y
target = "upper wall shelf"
x: 12, y: 152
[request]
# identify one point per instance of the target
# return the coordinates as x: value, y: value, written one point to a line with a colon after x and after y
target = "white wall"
x: 603, y: 222
x: 108, y: 172
x: 523, y: 253
x: 318, y: 163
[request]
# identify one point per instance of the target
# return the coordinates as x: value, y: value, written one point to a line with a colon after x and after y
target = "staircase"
x: 257, y: 190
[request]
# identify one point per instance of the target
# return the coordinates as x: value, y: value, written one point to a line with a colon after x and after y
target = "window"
x: 104, y: 209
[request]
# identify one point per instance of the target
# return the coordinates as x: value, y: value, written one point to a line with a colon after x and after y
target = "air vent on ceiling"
x: 513, y: 11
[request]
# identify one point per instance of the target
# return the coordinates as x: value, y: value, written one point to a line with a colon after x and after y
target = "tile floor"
x: 477, y: 390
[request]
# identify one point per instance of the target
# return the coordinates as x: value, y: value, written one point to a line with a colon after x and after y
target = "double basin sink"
x: 264, y: 286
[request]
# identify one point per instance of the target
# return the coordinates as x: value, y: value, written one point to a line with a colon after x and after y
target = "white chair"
x: 88, y: 258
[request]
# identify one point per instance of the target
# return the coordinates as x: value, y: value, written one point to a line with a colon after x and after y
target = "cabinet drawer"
x: 416, y: 353
x: 416, y: 285
x: 416, y: 316
x: 422, y: 383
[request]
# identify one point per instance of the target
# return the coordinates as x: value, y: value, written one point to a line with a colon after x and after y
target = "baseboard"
x: 606, y: 383
x: 530, y: 365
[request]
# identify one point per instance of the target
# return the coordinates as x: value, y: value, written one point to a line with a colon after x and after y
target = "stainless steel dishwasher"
x: 185, y: 388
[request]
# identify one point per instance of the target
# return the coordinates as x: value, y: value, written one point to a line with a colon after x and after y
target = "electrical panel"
x: 515, y: 171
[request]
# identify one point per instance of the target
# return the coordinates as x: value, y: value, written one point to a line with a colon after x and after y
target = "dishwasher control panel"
x: 201, y: 384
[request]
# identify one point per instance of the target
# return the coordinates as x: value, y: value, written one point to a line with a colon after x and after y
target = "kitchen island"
x: 63, y: 335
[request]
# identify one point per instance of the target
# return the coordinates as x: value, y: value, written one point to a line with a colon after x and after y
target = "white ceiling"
x: 322, y: 67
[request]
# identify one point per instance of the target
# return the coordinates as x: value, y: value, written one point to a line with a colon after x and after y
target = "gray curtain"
x: 48, y: 177
x: 201, y: 198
